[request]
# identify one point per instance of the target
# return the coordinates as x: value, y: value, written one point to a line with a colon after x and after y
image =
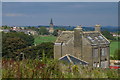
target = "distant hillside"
x: 103, y: 28
x: 110, y: 28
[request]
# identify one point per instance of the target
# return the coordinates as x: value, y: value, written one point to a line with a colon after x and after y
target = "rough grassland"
x: 113, y: 47
x: 50, y: 68
x: 40, y: 39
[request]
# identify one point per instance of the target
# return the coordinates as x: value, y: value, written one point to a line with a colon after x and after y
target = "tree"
x: 43, y: 31
x: 11, y: 45
x: 28, y: 38
x: 62, y: 29
x: 108, y: 35
x: 6, y: 27
x: 55, y: 33
x: 14, y: 41
x: 37, y: 51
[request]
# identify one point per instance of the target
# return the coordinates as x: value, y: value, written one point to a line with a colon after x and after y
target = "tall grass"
x: 50, y: 68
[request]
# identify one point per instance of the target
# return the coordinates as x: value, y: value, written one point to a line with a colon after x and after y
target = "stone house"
x: 89, y: 46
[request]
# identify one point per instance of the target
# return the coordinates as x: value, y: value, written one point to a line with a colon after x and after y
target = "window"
x: 101, y: 37
x: 103, y: 51
x: 90, y: 38
x: 96, y: 38
x: 104, y: 64
x: 95, y: 64
x: 98, y: 65
x: 95, y: 53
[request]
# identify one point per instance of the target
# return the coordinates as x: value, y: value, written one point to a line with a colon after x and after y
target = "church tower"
x: 51, y: 29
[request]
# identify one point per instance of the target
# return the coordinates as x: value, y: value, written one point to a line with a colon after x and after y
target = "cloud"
x: 14, y: 14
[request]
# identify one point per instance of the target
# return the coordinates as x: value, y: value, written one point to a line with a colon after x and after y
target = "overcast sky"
x: 62, y: 13
x: 60, y: 0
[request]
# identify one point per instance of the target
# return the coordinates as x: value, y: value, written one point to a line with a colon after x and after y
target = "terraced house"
x: 89, y: 46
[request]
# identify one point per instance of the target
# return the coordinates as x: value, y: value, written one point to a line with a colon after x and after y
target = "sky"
x: 62, y: 13
x: 61, y: 0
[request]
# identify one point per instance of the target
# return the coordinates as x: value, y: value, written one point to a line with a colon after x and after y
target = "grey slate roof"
x: 93, y: 37
x: 65, y: 36
x: 71, y: 59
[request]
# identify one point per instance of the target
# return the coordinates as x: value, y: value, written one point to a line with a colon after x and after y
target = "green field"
x: 40, y: 39
x: 113, y: 47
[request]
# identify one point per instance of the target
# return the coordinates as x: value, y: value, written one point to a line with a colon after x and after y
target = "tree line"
x: 15, y: 43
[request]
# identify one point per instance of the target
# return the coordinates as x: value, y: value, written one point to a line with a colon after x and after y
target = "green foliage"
x: 32, y: 28
x: 28, y: 38
x: 62, y: 29
x: 43, y: 31
x: 14, y: 41
x: 52, y: 69
x: 5, y: 27
x: 11, y: 45
x: 108, y: 35
x: 55, y: 33
x: 34, y: 52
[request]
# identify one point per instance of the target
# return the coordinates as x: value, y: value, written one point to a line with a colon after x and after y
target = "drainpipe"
x: 99, y: 50
x: 61, y: 48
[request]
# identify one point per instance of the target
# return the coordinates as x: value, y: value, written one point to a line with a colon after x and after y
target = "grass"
x: 40, y: 39
x: 113, y: 47
x: 52, y: 69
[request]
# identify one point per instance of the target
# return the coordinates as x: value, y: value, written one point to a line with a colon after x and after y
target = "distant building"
x: 51, y: 29
x: 115, y: 34
x: 29, y: 32
x: 4, y: 30
x: 115, y: 64
x: 90, y: 46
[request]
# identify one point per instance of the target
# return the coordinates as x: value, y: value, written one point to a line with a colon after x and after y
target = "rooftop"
x: 71, y: 59
x: 94, y: 37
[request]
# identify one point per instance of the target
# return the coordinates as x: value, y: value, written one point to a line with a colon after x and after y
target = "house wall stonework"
x: 91, y: 47
x: 57, y: 51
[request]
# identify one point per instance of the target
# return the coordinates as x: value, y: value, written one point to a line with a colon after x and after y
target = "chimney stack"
x: 78, y: 41
x: 97, y: 27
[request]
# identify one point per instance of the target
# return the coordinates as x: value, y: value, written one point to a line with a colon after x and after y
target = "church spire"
x: 51, y: 22
x: 51, y: 29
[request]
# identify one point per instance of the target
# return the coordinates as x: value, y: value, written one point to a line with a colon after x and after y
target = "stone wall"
x: 57, y: 51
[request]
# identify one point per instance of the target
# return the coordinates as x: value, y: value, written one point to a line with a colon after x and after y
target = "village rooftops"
x: 94, y: 37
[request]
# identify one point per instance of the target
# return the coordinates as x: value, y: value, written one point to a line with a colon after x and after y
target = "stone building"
x: 90, y: 46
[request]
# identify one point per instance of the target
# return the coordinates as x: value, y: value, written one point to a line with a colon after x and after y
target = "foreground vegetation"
x: 48, y: 68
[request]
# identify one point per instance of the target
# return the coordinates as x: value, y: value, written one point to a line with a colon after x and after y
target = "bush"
x: 14, y: 41
x: 52, y: 69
